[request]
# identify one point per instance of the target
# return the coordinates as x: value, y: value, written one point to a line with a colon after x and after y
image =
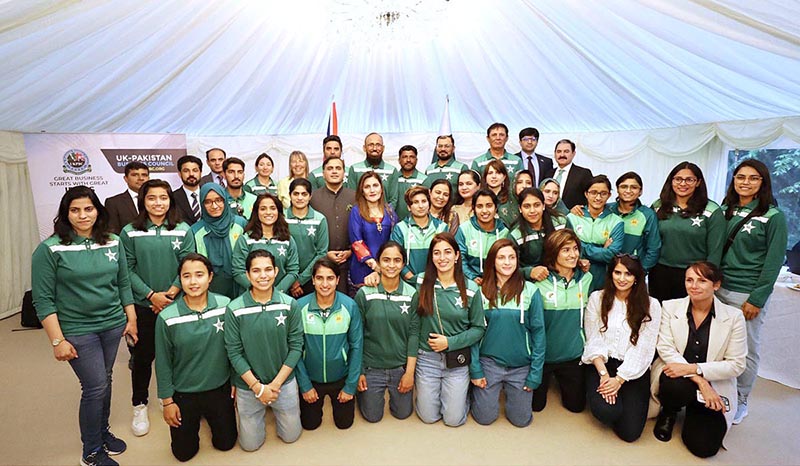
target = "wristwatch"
x: 603, y: 373
x: 56, y: 341
x: 699, y: 371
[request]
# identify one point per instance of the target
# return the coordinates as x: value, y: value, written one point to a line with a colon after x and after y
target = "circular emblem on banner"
x: 76, y: 161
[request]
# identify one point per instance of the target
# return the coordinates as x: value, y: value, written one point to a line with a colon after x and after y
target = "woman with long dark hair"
x: 269, y: 230
x: 264, y: 342
x: 552, y: 195
x: 155, y: 242
x: 536, y: 221
x: 451, y: 321
x: 414, y: 234
x: 192, y: 367
x: 469, y: 182
x: 511, y: 353
x: 621, y: 325
x: 752, y: 258
x: 477, y: 235
x: 371, y: 222
x: 702, y: 347
x: 215, y: 234
x: 442, y: 200
x: 496, y: 179
x: 82, y: 295
x: 391, y: 338
x: 565, y: 292
x: 692, y: 229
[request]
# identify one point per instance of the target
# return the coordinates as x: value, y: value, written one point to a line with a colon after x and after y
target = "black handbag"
x: 456, y: 358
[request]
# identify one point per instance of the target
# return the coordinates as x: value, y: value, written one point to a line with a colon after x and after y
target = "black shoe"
x: 98, y: 458
x: 664, y: 424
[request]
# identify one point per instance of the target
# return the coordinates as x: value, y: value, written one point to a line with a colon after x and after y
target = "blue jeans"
x: 441, y: 392
x: 93, y: 366
x: 252, y: 425
x: 745, y: 382
x: 370, y: 402
x: 486, y: 401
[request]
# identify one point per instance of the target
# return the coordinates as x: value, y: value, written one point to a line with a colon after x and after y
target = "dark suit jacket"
x: 184, y: 206
x: 545, y: 166
x: 572, y: 191
x: 121, y: 211
x: 207, y: 179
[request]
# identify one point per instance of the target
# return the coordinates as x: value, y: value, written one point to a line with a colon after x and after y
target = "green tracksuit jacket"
x: 286, y: 260
x: 564, y: 304
x: 642, y: 238
x: 593, y: 233
x: 474, y: 243
x: 310, y: 234
x: 531, y: 244
x: 385, y: 170
x: 402, y: 183
x: 391, y: 325
x: 463, y: 323
x: 688, y: 240
x: 416, y: 241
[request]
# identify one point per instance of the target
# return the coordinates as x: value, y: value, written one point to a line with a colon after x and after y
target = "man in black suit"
x: 215, y: 157
x: 187, y: 197
x: 122, y: 208
x: 573, y: 179
x: 539, y: 166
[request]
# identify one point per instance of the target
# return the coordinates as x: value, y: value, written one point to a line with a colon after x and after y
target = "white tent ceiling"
x: 243, y: 67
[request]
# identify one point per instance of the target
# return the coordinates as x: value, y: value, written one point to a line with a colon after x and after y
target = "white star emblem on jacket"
x: 404, y: 308
x: 281, y: 319
x: 459, y: 302
x: 218, y: 325
x: 697, y: 221
x: 176, y: 245
x: 312, y: 230
x: 748, y: 228
x: 449, y: 176
x: 112, y: 256
x: 281, y: 250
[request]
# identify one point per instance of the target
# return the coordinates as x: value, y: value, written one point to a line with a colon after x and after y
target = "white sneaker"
x: 141, y: 423
x: 741, y: 413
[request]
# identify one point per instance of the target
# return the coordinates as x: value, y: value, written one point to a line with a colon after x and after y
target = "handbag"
x: 456, y: 358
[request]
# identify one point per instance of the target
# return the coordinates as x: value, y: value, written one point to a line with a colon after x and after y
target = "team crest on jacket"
x: 473, y: 244
x: 76, y: 161
x: 550, y: 296
x: 579, y: 229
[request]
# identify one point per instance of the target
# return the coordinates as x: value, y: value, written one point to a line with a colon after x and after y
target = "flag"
x: 333, y: 121
x: 444, y: 127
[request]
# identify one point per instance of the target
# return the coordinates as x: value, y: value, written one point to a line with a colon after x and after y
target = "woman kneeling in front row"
x: 621, y: 325
x: 702, y: 346
x: 192, y: 366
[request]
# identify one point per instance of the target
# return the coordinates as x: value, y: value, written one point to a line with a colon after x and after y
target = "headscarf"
x: 559, y: 205
x: 217, y: 241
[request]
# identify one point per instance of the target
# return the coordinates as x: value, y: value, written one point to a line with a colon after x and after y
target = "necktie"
x: 195, y: 207
x: 136, y: 203
x: 559, y: 174
x: 532, y: 170
x: 221, y: 181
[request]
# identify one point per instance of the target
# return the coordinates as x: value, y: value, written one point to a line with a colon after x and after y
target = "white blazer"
x: 727, y: 350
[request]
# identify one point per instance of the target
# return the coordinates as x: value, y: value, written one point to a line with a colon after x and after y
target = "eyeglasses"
x: 751, y: 178
x: 210, y: 202
x: 598, y: 193
x: 680, y: 180
x: 529, y: 139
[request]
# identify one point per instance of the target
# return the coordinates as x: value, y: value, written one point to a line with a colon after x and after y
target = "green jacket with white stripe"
x: 754, y: 260
x: 416, y: 241
x: 514, y: 336
x: 688, y: 240
x: 85, y: 283
x: 153, y: 256
x: 564, y: 304
x: 642, y: 238
x: 333, y: 343
x: 310, y: 235
x: 402, y: 183
x: 531, y: 243
x: 190, y: 347
x: 391, y: 325
x: 449, y: 171
x: 462, y: 323
x: 286, y: 260
x: 474, y: 243
x: 593, y: 233
x: 262, y: 337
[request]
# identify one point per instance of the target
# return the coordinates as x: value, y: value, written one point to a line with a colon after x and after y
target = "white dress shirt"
x: 135, y: 196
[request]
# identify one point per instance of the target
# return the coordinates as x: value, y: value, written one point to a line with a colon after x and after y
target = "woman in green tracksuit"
x: 309, y: 229
x: 192, y: 367
x: 264, y: 340
x: 215, y: 235
x: 268, y: 230
x: 692, y: 229
x: 476, y: 236
x: 753, y: 256
x: 601, y: 231
x: 154, y: 244
x: 536, y: 221
x: 391, y: 338
x: 262, y: 183
x: 565, y: 293
x: 511, y: 353
x: 83, y: 298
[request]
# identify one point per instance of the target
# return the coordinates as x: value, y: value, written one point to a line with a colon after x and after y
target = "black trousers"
x: 343, y: 413
x: 143, y: 354
x: 703, y: 428
x: 629, y: 414
x: 667, y: 282
x: 217, y: 407
x: 571, y: 379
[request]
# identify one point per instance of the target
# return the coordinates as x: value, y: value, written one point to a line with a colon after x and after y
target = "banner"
x: 57, y: 162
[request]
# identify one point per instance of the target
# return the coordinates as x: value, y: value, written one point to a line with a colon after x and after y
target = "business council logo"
x: 76, y: 161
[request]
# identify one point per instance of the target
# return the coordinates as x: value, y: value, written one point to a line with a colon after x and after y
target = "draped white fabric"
x: 252, y: 67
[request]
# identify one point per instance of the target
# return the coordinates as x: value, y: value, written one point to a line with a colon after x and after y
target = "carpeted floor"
x: 39, y: 425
